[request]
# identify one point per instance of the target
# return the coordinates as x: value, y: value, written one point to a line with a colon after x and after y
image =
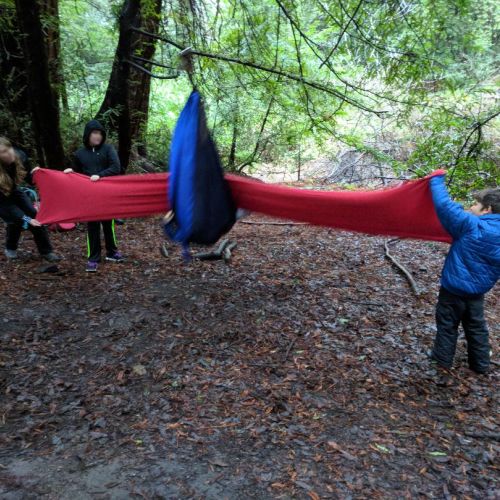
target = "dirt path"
x: 298, y: 371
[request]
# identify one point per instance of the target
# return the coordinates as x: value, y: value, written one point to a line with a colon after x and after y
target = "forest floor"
x: 299, y: 370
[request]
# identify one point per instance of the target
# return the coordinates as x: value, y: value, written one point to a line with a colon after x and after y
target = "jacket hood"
x: 89, y: 128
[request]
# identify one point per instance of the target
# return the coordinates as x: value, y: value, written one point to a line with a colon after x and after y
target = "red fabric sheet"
x: 406, y: 210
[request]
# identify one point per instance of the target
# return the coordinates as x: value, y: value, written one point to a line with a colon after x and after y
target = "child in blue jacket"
x: 471, y: 269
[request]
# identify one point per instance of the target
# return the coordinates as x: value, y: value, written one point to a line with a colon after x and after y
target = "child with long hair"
x: 16, y: 209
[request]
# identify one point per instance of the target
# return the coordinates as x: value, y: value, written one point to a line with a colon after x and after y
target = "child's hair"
x: 6, y: 182
x: 489, y: 198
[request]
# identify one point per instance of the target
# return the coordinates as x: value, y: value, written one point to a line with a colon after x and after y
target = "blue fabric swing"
x: 202, y: 209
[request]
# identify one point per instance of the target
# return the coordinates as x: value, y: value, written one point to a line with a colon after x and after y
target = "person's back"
x: 472, y: 268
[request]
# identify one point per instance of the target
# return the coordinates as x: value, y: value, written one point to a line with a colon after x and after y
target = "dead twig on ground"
x: 400, y: 266
x: 270, y: 223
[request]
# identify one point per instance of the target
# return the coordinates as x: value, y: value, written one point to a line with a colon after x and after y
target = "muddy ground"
x: 297, y: 371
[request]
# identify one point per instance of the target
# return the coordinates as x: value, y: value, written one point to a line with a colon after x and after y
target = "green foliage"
x: 88, y: 42
x: 463, y: 147
x: 427, y: 65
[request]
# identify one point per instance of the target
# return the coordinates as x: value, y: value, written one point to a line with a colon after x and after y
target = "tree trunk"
x: 231, y: 162
x: 43, y: 96
x: 15, y: 112
x: 115, y: 110
x: 51, y: 13
x: 299, y: 164
x: 140, y: 83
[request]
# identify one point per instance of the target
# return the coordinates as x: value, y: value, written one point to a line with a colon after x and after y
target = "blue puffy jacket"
x: 472, y: 265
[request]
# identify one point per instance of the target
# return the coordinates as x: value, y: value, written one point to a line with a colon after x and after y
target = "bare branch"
x: 152, y: 75
x: 476, y: 127
x: 158, y: 37
x: 251, y: 158
x: 315, y: 85
x: 344, y: 29
x: 149, y: 61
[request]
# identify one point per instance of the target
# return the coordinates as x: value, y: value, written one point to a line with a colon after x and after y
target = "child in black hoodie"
x: 98, y: 159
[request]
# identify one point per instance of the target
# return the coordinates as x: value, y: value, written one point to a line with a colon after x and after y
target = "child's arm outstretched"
x: 452, y: 215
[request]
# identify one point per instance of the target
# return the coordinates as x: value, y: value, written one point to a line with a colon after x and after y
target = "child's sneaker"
x: 51, y: 257
x: 11, y: 254
x: 116, y: 257
x: 91, y: 267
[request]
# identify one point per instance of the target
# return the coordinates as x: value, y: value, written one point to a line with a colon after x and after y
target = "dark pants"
x: 94, y: 239
x: 452, y: 310
x: 14, y: 229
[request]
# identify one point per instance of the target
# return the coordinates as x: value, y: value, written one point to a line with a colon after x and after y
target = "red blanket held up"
x: 406, y: 210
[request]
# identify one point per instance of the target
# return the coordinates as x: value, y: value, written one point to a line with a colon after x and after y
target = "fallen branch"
x: 269, y: 223
x: 289, y: 348
x: 164, y: 250
x: 495, y: 436
x: 222, y: 252
x: 403, y: 269
x: 226, y: 253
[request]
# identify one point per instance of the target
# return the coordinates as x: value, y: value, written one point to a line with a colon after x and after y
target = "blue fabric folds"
x: 199, y: 196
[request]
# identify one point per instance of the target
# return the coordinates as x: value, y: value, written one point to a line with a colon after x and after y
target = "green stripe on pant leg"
x: 113, y: 231
x: 88, y: 246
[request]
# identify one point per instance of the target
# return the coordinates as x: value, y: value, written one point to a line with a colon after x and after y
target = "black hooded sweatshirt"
x: 100, y: 160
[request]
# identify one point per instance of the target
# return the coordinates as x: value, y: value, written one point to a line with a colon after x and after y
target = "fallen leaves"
x: 345, y: 454
x: 218, y: 462
x: 295, y: 371
x: 380, y: 447
x: 139, y: 370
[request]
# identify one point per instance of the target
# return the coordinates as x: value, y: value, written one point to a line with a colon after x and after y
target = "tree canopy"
x: 410, y: 85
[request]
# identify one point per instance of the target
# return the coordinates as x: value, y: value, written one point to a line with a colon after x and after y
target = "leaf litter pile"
x: 299, y: 370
